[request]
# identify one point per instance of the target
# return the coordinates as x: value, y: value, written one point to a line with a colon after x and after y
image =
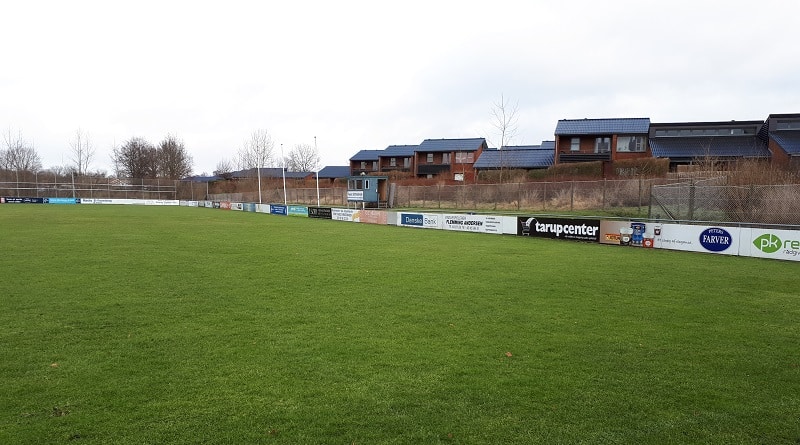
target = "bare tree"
x: 136, y: 158
x: 257, y: 151
x: 303, y: 158
x: 81, y: 152
x: 224, y: 166
x: 504, y: 121
x: 173, y: 162
x: 19, y: 155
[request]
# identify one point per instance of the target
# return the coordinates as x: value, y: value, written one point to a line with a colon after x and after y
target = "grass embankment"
x: 181, y: 325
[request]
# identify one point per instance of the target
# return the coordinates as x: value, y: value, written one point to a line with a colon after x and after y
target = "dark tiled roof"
x: 299, y: 175
x: 334, y: 172
x: 568, y: 127
x: 399, y: 150
x: 367, y: 155
x: 688, y: 148
x: 789, y: 140
x: 199, y: 178
x: 446, y: 145
x: 271, y: 172
x: 531, y: 156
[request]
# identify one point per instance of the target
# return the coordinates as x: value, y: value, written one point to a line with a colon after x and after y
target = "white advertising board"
x: 473, y: 223
x: 708, y: 239
x: 350, y: 215
x: 768, y: 243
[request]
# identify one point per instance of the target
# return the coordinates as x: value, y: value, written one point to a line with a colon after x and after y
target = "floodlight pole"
x: 258, y: 169
x: 283, y: 173
x: 315, y: 151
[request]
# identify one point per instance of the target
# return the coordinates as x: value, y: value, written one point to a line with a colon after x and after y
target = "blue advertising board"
x: 277, y: 209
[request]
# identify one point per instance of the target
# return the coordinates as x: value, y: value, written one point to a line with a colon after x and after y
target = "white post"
x: 258, y: 169
x: 317, y: 153
x: 283, y: 173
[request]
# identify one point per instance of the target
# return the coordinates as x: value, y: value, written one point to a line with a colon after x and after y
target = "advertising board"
x: 472, y: 223
x: 770, y: 243
x: 295, y: 210
x: 355, y: 195
x: 559, y: 228
x: 20, y: 200
x: 420, y: 220
x: 373, y: 217
x: 350, y: 215
x: 320, y: 212
x: 708, y: 239
x: 277, y: 209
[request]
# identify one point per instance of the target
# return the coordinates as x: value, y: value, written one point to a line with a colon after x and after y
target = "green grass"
x: 132, y: 325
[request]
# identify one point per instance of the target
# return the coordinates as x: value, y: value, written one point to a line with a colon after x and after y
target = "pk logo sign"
x: 768, y: 243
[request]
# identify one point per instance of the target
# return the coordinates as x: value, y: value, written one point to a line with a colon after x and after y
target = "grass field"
x: 133, y: 325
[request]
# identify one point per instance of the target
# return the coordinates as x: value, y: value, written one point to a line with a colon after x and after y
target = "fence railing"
x: 703, y: 201
x: 88, y: 187
x: 692, y: 200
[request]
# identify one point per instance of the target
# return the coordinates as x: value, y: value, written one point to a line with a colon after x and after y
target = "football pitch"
x: 132, y: 325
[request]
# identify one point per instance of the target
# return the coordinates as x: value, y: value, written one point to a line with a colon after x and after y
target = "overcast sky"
x: 368, y: 74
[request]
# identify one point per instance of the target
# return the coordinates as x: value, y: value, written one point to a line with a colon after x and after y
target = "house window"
x: 363, y: 165
x: 787, y: 124
x: 602, y: 145
x: 445, y: 158
x: 631, y: 144
x: 575, y: 144
x: 465, y: 157
x: 430, y: 158
x: 392, y: 162
x: 374, y: 165
x: 406, y: 162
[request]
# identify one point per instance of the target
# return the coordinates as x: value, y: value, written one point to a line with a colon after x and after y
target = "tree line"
x: 169, y: 159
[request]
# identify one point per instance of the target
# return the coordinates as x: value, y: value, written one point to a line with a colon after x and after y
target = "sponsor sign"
x: 237, y: 206
x: 723, y: 240
x: 464, y: 223
x: 423, y: 220
x: 559, y: 228
x: 373, y: 217
x: 60, y: 201
x: 22, y: 200
x: 298, y: 211
x: 225, y: 205
x: 628, y: 233
x: 249, y: 207
x: 355, y: 195
x: 350, y: 215
x: 215, y: 204
x: 767, y: 243
x: 277, y: 209
x: 319, y: 212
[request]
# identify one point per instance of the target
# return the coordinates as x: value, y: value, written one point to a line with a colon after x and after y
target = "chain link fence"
x: 48, y: 185
x: 530, y: 196
x: 712, y: 201
x: 665, y: 199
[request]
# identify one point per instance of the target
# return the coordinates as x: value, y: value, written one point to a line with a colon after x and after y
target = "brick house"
x: 586, y: 140
x: 449, y: 158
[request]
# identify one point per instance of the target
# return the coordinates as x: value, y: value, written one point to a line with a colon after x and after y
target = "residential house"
x: 333, y: 172
x: 365, y: 162
x: 397, y: 158
x: 586, y: 140
x: 687, y: 143
x: 783, y: 138
x: 517, y: 157
x: 449, y: 158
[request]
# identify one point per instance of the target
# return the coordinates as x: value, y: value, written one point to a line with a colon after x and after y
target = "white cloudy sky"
x: 368, y: 74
